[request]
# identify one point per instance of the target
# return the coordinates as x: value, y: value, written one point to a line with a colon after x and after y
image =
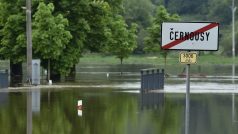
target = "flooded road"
x: 113, y: 104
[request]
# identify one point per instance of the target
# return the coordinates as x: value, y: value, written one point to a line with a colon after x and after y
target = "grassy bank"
x: 155, y: 60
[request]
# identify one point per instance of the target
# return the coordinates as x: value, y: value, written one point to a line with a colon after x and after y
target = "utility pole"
x: 233, y: 10
x: 29, y: 40
x: 29, y: 65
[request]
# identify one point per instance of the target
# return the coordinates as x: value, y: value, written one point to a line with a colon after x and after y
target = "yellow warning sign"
x: 188, y: 58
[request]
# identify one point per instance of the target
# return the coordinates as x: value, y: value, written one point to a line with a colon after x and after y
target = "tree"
x: 50, y: 36
x: 116, y: 6
x: 138, y: 11
x: 152, y: 41
x: 122, y: 40
x: 76, y: 12
x: 98, y: 20
x: 221, y: 7
x: 12, y: 29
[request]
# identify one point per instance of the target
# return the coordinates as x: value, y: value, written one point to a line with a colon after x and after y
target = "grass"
x: 154, y: 59
x: 147, y: 59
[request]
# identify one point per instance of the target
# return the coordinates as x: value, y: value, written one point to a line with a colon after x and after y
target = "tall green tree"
x: 76, y: 12
x: 122, y: 41
x: 12, y: 24
x: 152, y: 41
x: 139, y: 12
x: 50, y: 36
x: 98, y: 20
x: 12, y: 32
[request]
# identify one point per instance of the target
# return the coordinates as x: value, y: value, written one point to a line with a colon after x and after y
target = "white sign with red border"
x: 190, y: 36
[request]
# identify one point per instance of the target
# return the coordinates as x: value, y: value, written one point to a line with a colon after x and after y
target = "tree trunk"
x: 72, y: 74
x: 16, y: 74
x: 121, y: 59
x: 165, y: 61
x: 49, y: 71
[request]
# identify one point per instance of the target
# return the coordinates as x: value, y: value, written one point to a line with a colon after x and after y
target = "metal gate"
x: 152, y: 79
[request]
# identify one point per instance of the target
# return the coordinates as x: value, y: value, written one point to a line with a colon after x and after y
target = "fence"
x: 152, y: 79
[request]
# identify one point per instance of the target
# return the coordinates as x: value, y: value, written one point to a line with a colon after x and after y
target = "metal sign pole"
x: 187, y: 99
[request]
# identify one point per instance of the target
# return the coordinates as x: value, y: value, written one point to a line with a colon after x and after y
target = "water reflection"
x: 234, y: 115
x: 151, y: 100
x: 187, y: 112
x: 29, y: 112
x: 33, y: 106
x: 36, y: 98
x: 107, y: 112
x: 3, y: 99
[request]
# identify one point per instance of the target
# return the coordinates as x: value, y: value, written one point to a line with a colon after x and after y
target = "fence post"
x: 147, y: 77
x: 158, y: 79
x: 142, y: 81
x: 152, y: 83
x: 162, y: 79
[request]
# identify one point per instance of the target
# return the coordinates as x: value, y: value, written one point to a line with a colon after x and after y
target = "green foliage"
x: 122, y: 41
x: 221, y: 7
x: 152, y: 41
x: 50, y: 36
x: 12, y: 28
x: 188, y: 6
x: 98, y: 20
x: 76, y: 12
x: 138, y: 11
x: 61, y: 29
x: 203, y: 10
x: 12, y: 37
x: 116, y: 5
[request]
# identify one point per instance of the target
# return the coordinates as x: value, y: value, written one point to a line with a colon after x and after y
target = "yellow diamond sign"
x: 188, y: 57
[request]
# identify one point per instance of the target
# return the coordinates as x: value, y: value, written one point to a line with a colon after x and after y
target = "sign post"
x: 187, y: 99
x: 189, y: 36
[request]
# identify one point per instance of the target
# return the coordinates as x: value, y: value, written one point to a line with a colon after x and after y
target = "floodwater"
x: 112, y: 103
